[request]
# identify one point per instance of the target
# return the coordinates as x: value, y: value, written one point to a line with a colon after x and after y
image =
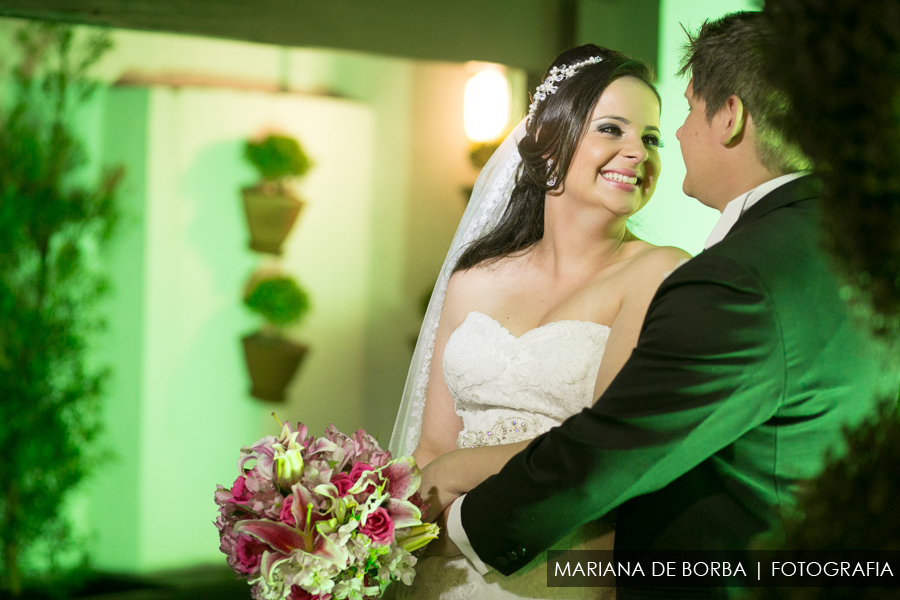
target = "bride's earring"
x: 551, y: 181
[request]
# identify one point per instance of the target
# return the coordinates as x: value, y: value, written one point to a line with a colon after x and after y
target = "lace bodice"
x: 509, y: 388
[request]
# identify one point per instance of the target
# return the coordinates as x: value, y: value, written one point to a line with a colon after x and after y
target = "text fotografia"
x: 576, y: 568
x: 722, y: 569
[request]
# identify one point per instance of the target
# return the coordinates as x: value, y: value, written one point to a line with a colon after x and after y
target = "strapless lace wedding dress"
x: 509, y: 389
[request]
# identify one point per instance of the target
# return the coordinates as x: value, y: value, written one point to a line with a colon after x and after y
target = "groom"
x: 746, y: 369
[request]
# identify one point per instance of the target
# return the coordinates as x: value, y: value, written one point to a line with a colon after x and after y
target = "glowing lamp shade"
x: 486, y: 105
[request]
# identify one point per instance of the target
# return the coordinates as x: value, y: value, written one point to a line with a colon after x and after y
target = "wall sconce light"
x: 486, y: 104
x: 485, y: 110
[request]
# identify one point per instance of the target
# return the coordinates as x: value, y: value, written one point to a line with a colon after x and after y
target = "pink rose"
x: 287, y: 515
x: 249, y: 554
x: 358, y: 469
x: 343, y: 483
x: 240, y: 493
x: 298, y: 593
x: 379, y: 526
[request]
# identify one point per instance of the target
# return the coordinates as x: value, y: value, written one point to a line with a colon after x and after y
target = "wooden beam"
x: 519, y: 33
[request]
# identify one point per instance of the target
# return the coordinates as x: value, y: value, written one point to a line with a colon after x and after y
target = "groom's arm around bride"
x: 746, y: 370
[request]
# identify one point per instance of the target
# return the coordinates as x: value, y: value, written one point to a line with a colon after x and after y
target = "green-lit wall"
x: 178, y: 411
x: 671, y: 217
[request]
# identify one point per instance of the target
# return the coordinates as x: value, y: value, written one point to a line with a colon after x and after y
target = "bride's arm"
x: 440, y: 423
x: 647, y: 273
x: 455, y: 473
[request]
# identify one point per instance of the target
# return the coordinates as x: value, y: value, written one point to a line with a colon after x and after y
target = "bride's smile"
x: 626, y: 180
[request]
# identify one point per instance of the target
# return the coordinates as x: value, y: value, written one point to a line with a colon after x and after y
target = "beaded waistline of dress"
x: 507, y: 430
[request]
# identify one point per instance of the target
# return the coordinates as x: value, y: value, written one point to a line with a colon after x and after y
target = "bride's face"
x: 617, y: 163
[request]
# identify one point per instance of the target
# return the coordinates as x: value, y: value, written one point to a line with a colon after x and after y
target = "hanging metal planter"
x: 272, y: 363
x: 273, y: 204
x: 271, y: 212
x: 273, y: 358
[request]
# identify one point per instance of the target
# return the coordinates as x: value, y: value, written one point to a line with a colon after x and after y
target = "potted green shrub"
x: 273, y: 358
x: 273, y: 204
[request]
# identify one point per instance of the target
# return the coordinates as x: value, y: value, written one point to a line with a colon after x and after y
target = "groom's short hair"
x: 726, y: 58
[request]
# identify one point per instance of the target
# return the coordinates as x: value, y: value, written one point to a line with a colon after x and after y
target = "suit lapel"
x: 803, y: 188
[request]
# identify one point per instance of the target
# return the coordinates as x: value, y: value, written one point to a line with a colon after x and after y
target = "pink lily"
x: 404, y: 513
x: 333, y: 452
x: 270, y: 560
x: 302, y: 431
x: 284, y: 539
x: 303, y: 499
x: 403, y: 477
x: 278, y: 536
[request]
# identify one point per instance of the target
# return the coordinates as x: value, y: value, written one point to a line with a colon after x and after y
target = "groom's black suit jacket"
x: 746, y: 369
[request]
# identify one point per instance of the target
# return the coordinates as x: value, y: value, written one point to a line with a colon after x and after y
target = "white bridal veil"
x: 489, y: 199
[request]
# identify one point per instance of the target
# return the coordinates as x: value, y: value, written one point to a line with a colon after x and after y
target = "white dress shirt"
x: 738, y: 206
x: 733, y: 210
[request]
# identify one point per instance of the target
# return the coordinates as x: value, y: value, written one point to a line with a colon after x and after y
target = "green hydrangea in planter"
x: 278, y: 157
x: 272, y: 358
x: 273, y: 205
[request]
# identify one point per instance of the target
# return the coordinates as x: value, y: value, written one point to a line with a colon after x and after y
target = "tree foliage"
x: 851, y: 506
x: 54, y: 223
x: 839, y: 63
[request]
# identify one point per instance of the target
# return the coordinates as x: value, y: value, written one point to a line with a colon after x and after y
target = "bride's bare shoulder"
x: 475, y: 285
x: 483, y: 277
x: 652, y: 262
x: 664, y: 255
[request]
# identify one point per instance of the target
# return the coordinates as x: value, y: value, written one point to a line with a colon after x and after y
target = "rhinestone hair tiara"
x: 556, y: 75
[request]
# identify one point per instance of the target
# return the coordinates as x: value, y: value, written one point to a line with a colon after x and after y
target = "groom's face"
x: 698, y: 148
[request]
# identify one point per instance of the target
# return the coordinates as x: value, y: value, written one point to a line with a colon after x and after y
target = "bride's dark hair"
x: 562, y: 119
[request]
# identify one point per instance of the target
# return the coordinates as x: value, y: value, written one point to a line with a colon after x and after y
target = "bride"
x: 543, y: 292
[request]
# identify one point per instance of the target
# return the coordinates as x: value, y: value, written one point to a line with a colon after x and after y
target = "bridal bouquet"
x: 321, y: 518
